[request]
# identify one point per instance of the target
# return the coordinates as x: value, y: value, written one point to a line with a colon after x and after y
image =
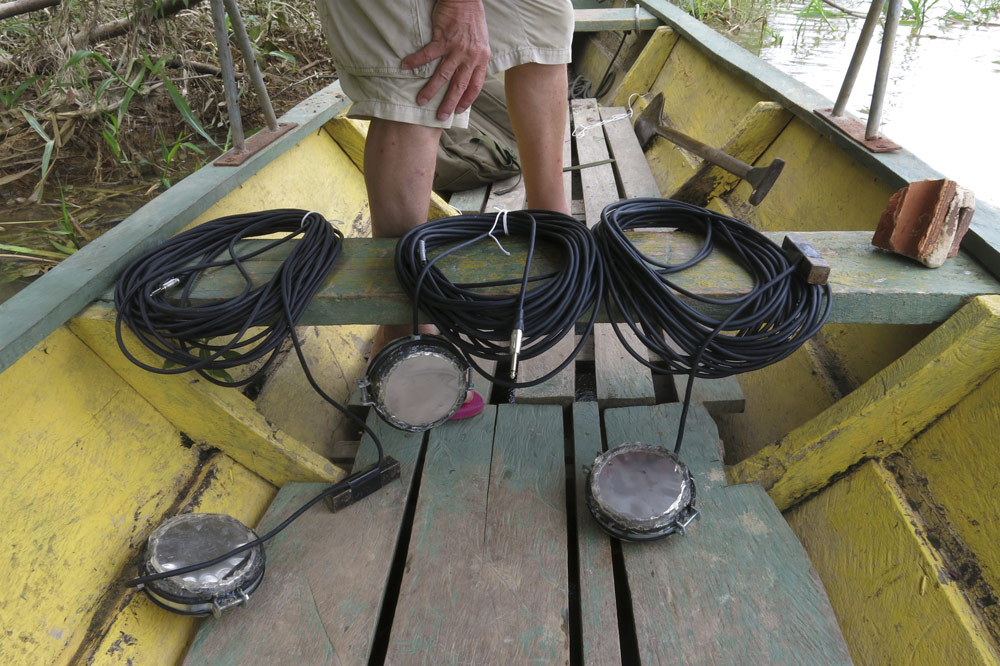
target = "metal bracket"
x: 242, y: 149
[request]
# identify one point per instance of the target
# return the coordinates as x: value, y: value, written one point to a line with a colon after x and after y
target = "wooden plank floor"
x: 484, y: 554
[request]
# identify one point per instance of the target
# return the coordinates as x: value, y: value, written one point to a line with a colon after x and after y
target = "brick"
x: 926, y: 221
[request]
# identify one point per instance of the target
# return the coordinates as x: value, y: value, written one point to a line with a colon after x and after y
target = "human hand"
x: 461, y: 40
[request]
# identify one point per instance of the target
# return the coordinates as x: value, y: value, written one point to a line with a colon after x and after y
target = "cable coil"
x: 186, y: 335
x: 479, y: 323
x: 764, y: 325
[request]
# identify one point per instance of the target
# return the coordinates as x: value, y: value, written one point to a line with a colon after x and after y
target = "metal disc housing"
x: 416, y: 383
x: 199, y: 537
x: 640, y: 492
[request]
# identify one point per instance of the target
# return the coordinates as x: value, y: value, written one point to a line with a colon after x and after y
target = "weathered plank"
x: 737, y: 588
x: 621, y: 379
x: 614, y: 18
x: 89, y: 467
x: 720, y: 396
x: 962, y: 494
x: 326, y: 575
x: 470, y: 201
x: 561, y: 389
x: 598, y: 182
x: 647, y: 66
x: 138, y: 630
x: 35, y: 312
x: 221, y: 417
x: 886, y: 412
x: 362, y: 288
x: 598, y: 607
x: 634, y: 176
x: 871, y: 552
x: 486, y: 581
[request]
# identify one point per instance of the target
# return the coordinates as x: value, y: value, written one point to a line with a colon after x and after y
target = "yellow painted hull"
x: 95, y: 453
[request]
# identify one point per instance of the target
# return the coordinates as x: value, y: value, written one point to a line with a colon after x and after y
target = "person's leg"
x: 536, y: 102
x: 399, y: 173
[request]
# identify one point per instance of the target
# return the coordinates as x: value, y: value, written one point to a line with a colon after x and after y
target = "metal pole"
x: 864, y: 39
x: 253, y: 70
x: 228, y: 77
x: 882, y: 75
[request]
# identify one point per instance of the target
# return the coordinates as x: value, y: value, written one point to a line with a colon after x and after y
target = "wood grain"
x: 870, y: 549
x: 737, y: 588
x: 326, y: 575
x: 485, y: 580
x: 598, y: 607
x: 886, y: 412
x: 621, y: 379
x: 362, y: 288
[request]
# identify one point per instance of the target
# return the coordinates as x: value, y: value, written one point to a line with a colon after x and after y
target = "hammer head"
x: 649, y: 121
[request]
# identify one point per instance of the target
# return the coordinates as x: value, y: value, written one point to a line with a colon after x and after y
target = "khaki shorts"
x: 369, y: 39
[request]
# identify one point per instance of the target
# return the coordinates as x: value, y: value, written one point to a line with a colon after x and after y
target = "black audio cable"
x: 764, y: 325
x: 209, y: 337
x: 484, y: 323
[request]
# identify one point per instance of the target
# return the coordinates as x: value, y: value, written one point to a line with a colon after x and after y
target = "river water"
x: 943, y: 94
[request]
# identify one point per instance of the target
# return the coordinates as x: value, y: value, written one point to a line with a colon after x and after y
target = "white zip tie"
x: 580, y: 131
x: 503, y: 211
x: 637, y: 28
x: 306, y: 217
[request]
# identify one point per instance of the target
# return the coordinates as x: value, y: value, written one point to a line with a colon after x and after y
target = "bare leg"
x: 536, y: 101
x: 399, y: 172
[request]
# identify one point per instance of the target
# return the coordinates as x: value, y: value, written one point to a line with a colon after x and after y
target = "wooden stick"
x: 17, y: 7
x: 122, y: 26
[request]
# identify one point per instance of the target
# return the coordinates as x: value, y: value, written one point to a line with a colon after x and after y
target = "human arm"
x: 461, y: 40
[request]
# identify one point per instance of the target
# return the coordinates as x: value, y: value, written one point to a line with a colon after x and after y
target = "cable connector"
x: 362, y: 484
x: 166, y: 284
x: 516, y: 336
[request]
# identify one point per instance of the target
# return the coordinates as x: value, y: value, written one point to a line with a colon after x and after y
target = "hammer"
x: 650, y: 124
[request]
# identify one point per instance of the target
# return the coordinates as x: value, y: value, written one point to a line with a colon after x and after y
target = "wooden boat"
x: 876, y: 440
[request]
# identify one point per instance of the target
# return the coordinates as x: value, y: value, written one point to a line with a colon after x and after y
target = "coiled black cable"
x: 187, y: 335
x: 478, y: 321
x: 764, y: 325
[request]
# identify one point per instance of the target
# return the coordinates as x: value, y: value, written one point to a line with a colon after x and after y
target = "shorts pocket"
x: 373, y: 36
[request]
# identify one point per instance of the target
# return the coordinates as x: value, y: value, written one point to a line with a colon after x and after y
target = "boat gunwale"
x: 897, y: 168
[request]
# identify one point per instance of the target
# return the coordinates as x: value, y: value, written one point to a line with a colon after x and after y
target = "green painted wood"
x: 598, y: 182
x: 598, y: 607
x: 621, y: 379
x: 470, y: 201
x: 326, y: 574
x: 737, y: 588
x: 720, y: 396
x: 701, y: 449
x: 33, y: 313
x: 561, y: 389
x: 614, y: 18
x: 485, y: 580
x: 897, y: 168
x: 869, y: 285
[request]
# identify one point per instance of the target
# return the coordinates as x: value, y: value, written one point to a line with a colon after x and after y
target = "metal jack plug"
x: 515, y: 350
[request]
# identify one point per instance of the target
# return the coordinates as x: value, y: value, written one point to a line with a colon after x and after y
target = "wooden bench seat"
x: 483, y: 553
